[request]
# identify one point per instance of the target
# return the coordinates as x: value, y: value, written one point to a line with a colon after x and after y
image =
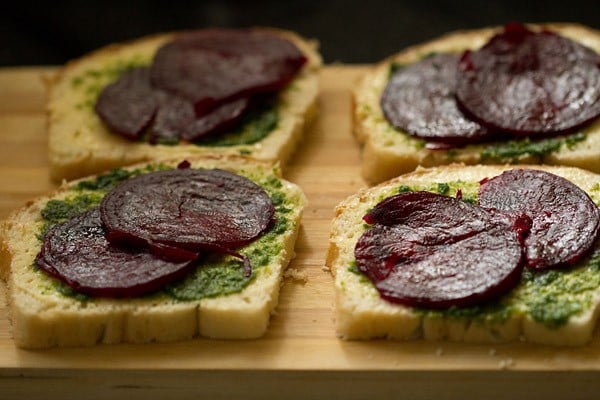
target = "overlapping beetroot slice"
x: 192, y: 209
x: 210, y: 67
x: 434, y: 251
x: 521, y: 83
x: 419, y: 99
x: 150, y: 230
x: 530, y: 83
x: 566, y: 221
x: 127, y: 106
x: 217, y: 120
x: 174, y: 114
x: 77, y: 253
x: 176, y: 119
x: 198, y: 84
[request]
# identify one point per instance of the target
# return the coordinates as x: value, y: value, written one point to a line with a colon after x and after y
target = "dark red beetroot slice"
x: 187, y: 208
x: 127, y: 106
x: 565, y: 220
x: 530, y: 83
x: 173, y: 116
x: 419, y: 99
x: 213, y: 66
x: 176, y: 119
x: 77, y: 253
x: 427, y: 258
x: 217, y: 120
x: 444, y: 217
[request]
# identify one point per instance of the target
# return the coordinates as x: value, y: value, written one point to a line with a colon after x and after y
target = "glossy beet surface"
x: 434, y: 251
x: 127, y: 106
x: 217, y: 120
x: 565, y: 220
x: 176, y: 119
x: 77, y: 253
x: 530, y: 83
x: 419, y: 99
x: 210, y: 67
x: 193, y: 209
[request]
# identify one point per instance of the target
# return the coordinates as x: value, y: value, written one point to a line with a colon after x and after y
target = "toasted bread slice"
x: 389, y: 152
x: 80, y: 144
x: 45, y: 313
x: 558, y: 307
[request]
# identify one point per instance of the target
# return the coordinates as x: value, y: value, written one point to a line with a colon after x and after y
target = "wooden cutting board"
x: 300, y: 357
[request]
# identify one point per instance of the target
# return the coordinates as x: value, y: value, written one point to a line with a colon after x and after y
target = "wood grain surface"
x: 300, y: 357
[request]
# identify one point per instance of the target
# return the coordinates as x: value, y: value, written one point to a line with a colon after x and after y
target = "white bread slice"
x: 388, y: 152
x: 43, y: 317
x: 362, y: 314
x: 80, y: 144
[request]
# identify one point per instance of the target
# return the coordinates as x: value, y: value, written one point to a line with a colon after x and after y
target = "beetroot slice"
x: 217, y: 120
x: 176, y: 119
x: 173, y: 116
x: 439, y: 252
x: 210, y: 67
x: 77, y: 253
x: 419, y: 99
x: 193, y: 209
x: 444, y: 217
x: 127, y: 106
x: 566, y: 221
x: 530, y: 83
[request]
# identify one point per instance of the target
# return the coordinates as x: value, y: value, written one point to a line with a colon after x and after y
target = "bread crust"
x: 362, y: 314
x: 388, y: 152
x: 43, y: 317
x: 80, y: 144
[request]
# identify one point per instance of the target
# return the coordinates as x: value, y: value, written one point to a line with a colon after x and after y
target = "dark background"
x: 50, y: 33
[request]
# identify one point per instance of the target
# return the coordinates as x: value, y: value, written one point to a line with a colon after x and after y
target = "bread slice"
x: 80, y: 144
x: 557, y: 308
x: 388, y: 152
x: 45, y: 313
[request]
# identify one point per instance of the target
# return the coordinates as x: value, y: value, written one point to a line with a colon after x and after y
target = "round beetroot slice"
x: 530, y: 83
x: 464, y: 273
x: 210, y: 67
x: 427, y: 259
x: 566, y: 221
x: 194, y: 209
x: 127, y: 106
x: 77, y: 253
x: 419, y: 99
